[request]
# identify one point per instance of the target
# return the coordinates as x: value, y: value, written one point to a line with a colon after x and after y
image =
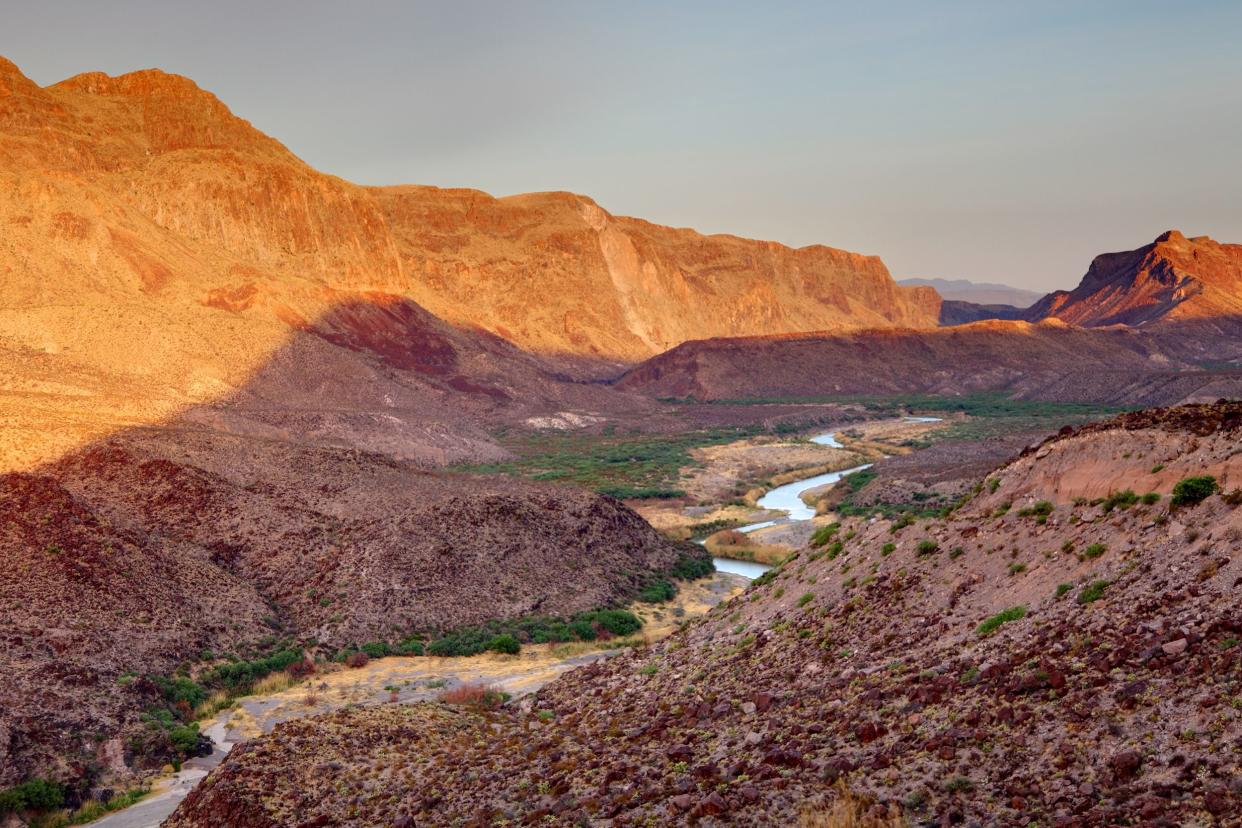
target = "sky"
x: 993, y: 141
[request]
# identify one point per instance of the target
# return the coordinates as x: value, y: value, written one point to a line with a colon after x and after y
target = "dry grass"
x: 272, y: 683
x: 850, y: 810
x: 217, y: 701
x: 475, y: 695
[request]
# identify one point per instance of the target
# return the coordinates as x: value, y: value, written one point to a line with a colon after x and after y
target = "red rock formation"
x: 1173, y: 278
x: 158, y: 250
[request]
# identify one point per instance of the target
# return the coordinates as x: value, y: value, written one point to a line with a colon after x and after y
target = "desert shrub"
x: 1095, y: 550
x: 900, y: 523
x: 849, y: 810
x: 1041, y: 508
x: 927, y: 546
x: 35, y: 795
x: 994, y: 623
x: 888, y: 549
x: 956, y: 552
x: 505, y: 643
x: 1093, y: 591
x: 480, y: 696
x: 1151, y: 498
x: 615, y: 621
x: 691, y: 567
x: 240, y: 674
x: 764, y: 579
x: 1002, y: 509
x: 657, y: 592
x: 1063, y: 588
x: 1194, y: 490
x: 357, y: 659
x: 410, y: 647
x: 583, y: 629
x: 835, y: 549
x: 1017, y: 568
x: 376, y: 649
x: 180, y: 691
x: 806, y: 599
x: 1120, y: 500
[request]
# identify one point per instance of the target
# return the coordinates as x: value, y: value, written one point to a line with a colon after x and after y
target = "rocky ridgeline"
x: 1069, y: 661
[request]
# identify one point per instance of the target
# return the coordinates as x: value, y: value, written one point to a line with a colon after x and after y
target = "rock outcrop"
x: 1172, y: 279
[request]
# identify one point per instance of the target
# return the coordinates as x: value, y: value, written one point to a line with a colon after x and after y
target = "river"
x: 788, y: 498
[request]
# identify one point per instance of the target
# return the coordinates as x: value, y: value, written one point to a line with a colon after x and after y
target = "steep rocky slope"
x: 1033, y: 657
x: 157, y: 251
x: 1173, y: 278
x: 137, y: 555
x: 84, y: 601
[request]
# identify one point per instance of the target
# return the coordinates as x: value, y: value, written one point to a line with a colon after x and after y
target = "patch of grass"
x: 888, y: 549
x: 994, y: 623
x: 1062, y: 589
x: 1093, y: 591
x: 1017, y: 568
x: 634, y: 466
x: 1150, y: 499
x: 824, y: 534
x: 1093, y: 551
x: 657, y: 592
x: 35, y: 795
x: 1041, y: 508
x: 478, y: 696
x: 806, y: 599
x: 927, y: 546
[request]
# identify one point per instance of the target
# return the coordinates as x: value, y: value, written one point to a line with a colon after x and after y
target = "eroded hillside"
x: 1065, y: 653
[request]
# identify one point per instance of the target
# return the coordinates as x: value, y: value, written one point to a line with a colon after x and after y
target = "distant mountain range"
x: 979, y: 293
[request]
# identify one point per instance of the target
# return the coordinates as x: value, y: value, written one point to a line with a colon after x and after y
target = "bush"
x: 617, y: 622
x: 1151, y: 498
x: 1194, y: 490
x: 376, y: 649
x: 994, y: 623
x: 479, y: 696
x: 927, y: 546
x: 888, y: 549
x: 1063, y: 588
x: 1120, y: 500
x: 657, y: 592
x: 506, y: 644
x: 35, y: 795
x: 410, y: 647
x: 691, y: 567
x: 1095, y: 550
x: 1042, y: 509
x: 357, y: 659
x: 582, y: 629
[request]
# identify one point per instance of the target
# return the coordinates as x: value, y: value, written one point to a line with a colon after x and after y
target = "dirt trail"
x: 406, y: 680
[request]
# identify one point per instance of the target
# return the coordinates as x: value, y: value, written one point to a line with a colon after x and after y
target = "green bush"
x: 1063, y: 588
x: 410, y: 647
x: 1151, y: 498
x: 657, y: 592
x: 691, y: 567
x: 927, y: 546
x: 506, y: 644
x: 180, y: 689
x: 35, y: 795
x: 583, y: 629
x: 1095, y: 550
x: 1193, y: 490
x: 376, y: 649
x: 888, y: 549
x: 1120, y: 500
x: 994, y: 623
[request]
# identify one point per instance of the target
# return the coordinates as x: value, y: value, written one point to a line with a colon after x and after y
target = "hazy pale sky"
x: 991, y: 140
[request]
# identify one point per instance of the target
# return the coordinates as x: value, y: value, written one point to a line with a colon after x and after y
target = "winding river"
x: 788, y: 498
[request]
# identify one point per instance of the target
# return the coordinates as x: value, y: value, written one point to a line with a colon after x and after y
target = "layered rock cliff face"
x: 157, y: 250
x: 1172, y: 279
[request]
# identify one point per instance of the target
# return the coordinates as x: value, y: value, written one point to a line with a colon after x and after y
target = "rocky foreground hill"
x: 1064, y: 648
x: 156, y: 551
